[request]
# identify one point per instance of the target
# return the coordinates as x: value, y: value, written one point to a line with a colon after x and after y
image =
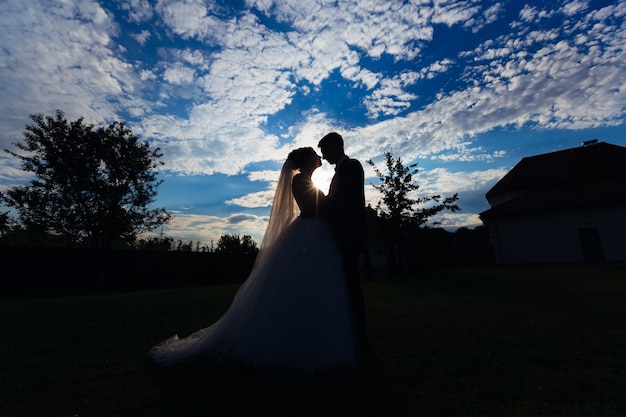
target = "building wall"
x: 613, y: 233
x: 555, y: 237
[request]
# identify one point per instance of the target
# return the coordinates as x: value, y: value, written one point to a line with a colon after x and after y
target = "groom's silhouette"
x: 344, y: 208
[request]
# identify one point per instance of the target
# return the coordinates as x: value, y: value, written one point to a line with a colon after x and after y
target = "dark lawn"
x: 500, y: 341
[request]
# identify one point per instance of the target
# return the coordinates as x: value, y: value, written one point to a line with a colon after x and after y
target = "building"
x: 564, y: 206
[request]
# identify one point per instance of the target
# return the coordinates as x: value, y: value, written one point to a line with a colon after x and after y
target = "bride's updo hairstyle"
x: 301, y: 157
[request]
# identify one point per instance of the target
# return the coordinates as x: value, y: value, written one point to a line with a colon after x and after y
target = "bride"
x: 292, y: 313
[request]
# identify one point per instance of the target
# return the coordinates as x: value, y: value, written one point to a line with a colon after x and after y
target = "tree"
x: 234, y: 244
x: 93, y: 187
x: 400, y: 214
x: 5, y: 226
x: 155, y: 243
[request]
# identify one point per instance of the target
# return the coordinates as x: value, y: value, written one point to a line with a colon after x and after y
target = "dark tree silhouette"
x: 398, y: 212
x: 93, y: 187
x: 5, y: 226
x: 230, y: 243
x: 155, y: 243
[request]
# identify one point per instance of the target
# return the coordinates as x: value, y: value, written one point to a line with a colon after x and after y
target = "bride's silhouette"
x: 292, y: 313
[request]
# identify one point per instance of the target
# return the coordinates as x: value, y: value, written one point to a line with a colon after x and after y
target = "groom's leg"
x: 353, y: 276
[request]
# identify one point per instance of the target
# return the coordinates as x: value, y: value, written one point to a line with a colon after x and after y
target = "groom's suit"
x: 345, y: 211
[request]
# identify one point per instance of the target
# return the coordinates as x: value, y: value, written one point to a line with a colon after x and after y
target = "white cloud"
x: 206, y: 229
x: 178, y: 74
x: 436, y: 68
x: 141, y: 37
x: 258, y: 199
x: 138, y: 10
x: 451, y: 12
x: 573, y: 7
x: 187, y: 19
x: 391, y: 98
x: 530, y: 14
x: 62, y: 57
x: 445, y: 183
x: 558, y: 85
x: 477, y: 23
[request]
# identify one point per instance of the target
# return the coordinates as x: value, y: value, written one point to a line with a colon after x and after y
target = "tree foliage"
x: 231, y: 243
x: 5, y: 226
x: 155, y: 244
x: 401, y: 213
x: 92, y: 187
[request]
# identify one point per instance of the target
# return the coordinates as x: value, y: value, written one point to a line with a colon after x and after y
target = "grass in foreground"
x: 528, y: 341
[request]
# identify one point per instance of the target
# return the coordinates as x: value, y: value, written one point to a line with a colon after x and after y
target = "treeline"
x: 432, y: 248
x: 13, y: 234
x: 55, y: 270
x: 37, y: 271
x: 228, y: 243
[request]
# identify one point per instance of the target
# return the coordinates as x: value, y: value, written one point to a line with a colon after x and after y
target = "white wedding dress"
x: 292, y: 313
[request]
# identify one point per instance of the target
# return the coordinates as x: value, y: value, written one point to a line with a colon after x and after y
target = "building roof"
x: 591, y: 175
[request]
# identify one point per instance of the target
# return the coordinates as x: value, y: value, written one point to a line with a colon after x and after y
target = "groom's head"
x: 331, y: 146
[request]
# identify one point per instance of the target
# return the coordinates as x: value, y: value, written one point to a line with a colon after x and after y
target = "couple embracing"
x: 301, y: 309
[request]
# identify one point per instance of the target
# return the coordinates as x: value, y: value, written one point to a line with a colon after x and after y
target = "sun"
x: 322, y: 176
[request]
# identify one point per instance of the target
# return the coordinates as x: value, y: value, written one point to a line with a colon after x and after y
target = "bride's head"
x: 305, y: 159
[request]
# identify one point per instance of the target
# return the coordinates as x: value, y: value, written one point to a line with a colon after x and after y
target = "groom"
x: 345, y: 210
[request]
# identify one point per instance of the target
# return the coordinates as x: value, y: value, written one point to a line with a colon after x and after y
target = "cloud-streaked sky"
x: 226, y: 89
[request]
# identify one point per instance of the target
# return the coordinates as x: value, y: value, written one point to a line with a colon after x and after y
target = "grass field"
x: 523, y: 341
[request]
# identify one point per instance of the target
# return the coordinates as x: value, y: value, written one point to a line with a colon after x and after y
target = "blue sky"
x: 226, y: 89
